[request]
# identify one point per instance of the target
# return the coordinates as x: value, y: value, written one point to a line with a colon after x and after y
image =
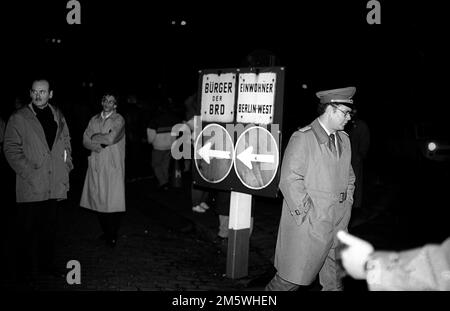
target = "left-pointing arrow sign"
x: 206, y: 153
x: 247, y: 157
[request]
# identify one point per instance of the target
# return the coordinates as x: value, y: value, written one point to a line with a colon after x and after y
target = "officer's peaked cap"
x: 338, y: 96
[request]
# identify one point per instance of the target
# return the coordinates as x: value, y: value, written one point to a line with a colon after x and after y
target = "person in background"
x: 190, y: 111
x: 420, y: 269
x: 37, y: 147
x: 159, y: 134
x: 201, y: 198
x: 317, y: 183
x: 104, y: 185
x: 2, y: 134
x: 18, y: 103
x: 8, y: 207
x: 360, y: 141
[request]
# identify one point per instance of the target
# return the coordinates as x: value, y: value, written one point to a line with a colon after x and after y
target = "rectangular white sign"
x: 256, y: 98
x: 218, y: 93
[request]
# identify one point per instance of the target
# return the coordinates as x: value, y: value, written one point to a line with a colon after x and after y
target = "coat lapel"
x: 319, y: 132
x: 340, y: 143
x: 322, y: 137
x: 36, y: 125
x: 59, y: 122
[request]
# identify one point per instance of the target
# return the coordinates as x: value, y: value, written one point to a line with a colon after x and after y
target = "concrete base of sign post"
x: 238, y: 235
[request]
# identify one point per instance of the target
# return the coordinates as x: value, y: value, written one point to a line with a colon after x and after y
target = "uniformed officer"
x: 317, y: 183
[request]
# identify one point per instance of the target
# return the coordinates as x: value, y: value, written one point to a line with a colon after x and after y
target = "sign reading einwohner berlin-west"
x: 256, y: 97
x: 217, y: 101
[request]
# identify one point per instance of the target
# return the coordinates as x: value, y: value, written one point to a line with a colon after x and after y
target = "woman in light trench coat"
x: 104, y: 185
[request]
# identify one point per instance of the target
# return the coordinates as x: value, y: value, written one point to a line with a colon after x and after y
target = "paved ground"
x: 158, y: 249
x: 164, y: 246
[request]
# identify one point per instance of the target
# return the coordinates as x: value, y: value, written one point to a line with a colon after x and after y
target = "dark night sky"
x: 325, y: 44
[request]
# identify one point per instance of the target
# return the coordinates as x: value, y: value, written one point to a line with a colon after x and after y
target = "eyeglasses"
x: 40, y: 92
x: 108, y: 100
x: 346, y: 113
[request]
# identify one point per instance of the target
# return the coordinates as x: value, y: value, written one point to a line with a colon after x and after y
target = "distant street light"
x: 183, y: 23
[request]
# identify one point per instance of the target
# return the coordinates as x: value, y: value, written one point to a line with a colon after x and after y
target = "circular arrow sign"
x: 256, y: 158
x: 214, y: 153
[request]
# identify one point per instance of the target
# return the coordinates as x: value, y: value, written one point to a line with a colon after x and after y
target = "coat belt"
x: 338, y: 196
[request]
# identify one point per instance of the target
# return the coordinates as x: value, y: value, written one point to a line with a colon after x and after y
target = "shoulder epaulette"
x: 344, y: 133
x: 304, y: 129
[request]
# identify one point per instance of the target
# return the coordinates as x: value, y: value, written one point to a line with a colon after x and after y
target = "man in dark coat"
x: 37, y: 147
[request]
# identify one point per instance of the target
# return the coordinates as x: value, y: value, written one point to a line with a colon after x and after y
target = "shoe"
x: 198, y: 209
x: 204, y: 206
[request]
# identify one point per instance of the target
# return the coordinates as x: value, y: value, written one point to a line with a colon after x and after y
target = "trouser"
x: 330, y: 276
x: 161, y: 164
x: 35, y: 244
x: 110, y: 224
x: 279, y: 284
x: 199, y: 195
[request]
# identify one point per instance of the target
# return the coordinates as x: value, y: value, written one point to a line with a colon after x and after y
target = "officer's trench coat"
x: 312, y: 182
x: 104, y: 185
